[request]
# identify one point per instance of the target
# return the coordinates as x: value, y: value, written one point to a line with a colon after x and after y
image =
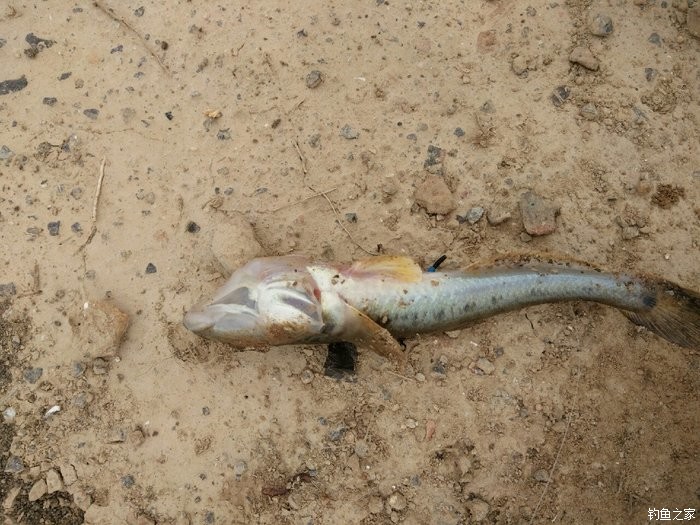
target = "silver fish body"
x: 290, y: 300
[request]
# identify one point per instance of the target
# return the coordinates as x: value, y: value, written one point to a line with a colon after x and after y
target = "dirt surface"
x: 210, y: 129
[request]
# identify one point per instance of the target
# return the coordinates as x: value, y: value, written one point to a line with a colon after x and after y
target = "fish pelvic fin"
x: 366, y: 332
x: 674, y: 314
x: 392, y: 266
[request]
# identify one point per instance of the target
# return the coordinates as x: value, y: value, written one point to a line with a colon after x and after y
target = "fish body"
x: 293, y: 300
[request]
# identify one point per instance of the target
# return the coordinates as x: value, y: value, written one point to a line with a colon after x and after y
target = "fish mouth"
x: 197, y: 321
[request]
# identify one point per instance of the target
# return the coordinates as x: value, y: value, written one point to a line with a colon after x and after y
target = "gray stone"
x: 5, y: 153
x: 474, y: 214
x: 600, y: 25
x: 38, y: 490
x: 14, y: 465
x: 347, y: 132
x: 7, y: 289
x: 314, y: 79
x: 589, y: 111
x: 541, y: 475
x: 32, y: 375
x: 582, y: 55
x: 519, y: 65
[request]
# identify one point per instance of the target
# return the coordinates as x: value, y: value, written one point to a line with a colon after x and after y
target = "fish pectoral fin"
x: 366, y: 332
x: 395, y: 267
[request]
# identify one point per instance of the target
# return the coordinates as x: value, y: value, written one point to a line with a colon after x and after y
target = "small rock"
x: 239, y: 468
x: 351, y: 217
x: 375, y: 505
x: 8, y: 415
x: 224, y: 134
x: 91, y: 113
x: 82, y: 399
x: 524, y: 237
x: 307, y: 376
x: 38, y: 490
x: 539, y: 214
x: 102, y: 328
x: 361, y: 448
x: 14, y: 465
x: 434, y: 195
x: 560, y: 95
x: 68, y: 474
x: 192, y: 227
x: 84, y: 502
x: 76, y: 227
x: 348, y: 132
x: 54, y: 483
x: 32, y: 375
x: 49, y: 101
x: 692, y: 20
x: 630, y: 232
x: 118, y: 435
x: 420, y: 377
x: 583, y: 56
x: 541, y: 475
x: 140, y: 11
x: 589, y: 111
x: 8, y: 289
x: 128, y: 481
x: 6, y: 153
x: 76, y: 192
x: 396, y: 501
x: 474, y: 214
x: 650, y: 73
x: 11, y: 86
x: 54, y: 228
x: 100, y: 367
x: 314, y: 79
x: 485, y: 366
x: 64, y: 76
x: 519, y: 65
x: 479, y: 510
x: 459, y: 132
x: 497, y: 215
x: 600, y: 25
x: 136, y: 438
x: 9, y: 500
x: 151, y: 268
x: 433, y: 162
x: 655, y: 39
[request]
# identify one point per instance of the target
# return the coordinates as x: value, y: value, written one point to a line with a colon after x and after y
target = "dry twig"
x: 98, y: 191
x: 109, y: 12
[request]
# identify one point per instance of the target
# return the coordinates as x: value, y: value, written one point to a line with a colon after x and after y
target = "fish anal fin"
x: 393, y: 266
x: 365, y: 332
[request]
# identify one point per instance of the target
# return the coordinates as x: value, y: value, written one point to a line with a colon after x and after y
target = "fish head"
x: 268, y: 301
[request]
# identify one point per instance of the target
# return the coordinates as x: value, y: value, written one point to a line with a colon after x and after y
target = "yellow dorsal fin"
x: 392, y: 266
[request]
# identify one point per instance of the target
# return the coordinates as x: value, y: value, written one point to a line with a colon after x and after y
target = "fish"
x: 375, y: 302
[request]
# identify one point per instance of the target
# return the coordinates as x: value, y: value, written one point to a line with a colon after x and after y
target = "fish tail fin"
x: 673, y: 313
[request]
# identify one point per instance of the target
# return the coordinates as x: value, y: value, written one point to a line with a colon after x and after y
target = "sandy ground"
x: 554, y: 414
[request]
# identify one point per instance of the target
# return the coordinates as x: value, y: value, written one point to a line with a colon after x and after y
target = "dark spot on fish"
x: 440, y: 314
x: 466, y: 307
x: 649, y: 301
x: 494, y: 299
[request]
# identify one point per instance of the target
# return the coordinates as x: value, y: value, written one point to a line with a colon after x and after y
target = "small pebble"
x: 479, y: 510
x: 351, y: 217
x: 76, y: 192
x: 151, y: 268
x: 239, y: 468
x: 459, y: 132
x: 8, y: 289
x: 485, y: 366
x: 91, y: 113
x: 541, y: 475
x: 348, y: 132
x: 650, y: 73
x: 9, y: 414
x: 206, y: 411
x: 13, y: 85
x: 169, y: 115
x: 192, y: 227
x: 361, y: 448
x: 307, y: 376
x: 37, y: 491
x: 64, y: 76
x: 497, y: 216
x: 14, y: 465
x: 32, y: 375
x: 128, y: 481
x: 76, y: 227
x: 583, y: 56
x: 5, y: 152
x: 630, y: 232
x: 68, y: 474
x: 54, y: 228
x: 435, y: 196
x: 600, y: 25
x: 224, y: 134
x: 313, y: 79
x: 140, y: 11
x: 560, y: 95
x: 655, y: 39
x: 589, y: 111
x: 396, y: 501
x: 524, y: 237
x: 538, y: 213
x: 474, y: 214
x: 519, y: 65
x: 99, y: 366
x: 54, y: 483
x: 117, y: 49
x: 77, y: 368
x: 49, y: 101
